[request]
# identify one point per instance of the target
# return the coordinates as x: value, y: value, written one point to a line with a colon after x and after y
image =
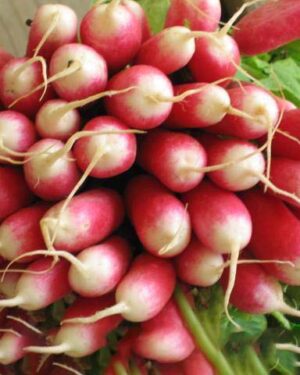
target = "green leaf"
x: 156, y: 11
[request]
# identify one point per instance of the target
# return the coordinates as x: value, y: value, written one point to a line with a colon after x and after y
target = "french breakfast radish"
x: 159, y: 218
x: 173, y: 158
x: 40, y: 285
x: 222, y: 222
x: 50, y: 123
x: 17, y: 133
x: 20, y: 232
x: 88, y: 218
x: 164, y: 338
x: 199, y: 14
x: 114, y: 31
x: 53, y: 25
x: 268, y: 27
x: 199, y: 265
x: 80, y: 340
x: 114, y: 153
x: 87, y: 71
x: 256, y: 292
x: 48, y: 175
x: 142, y: 293
x: 14, y: 193
x: 276, y: 235
x: 139, y: 108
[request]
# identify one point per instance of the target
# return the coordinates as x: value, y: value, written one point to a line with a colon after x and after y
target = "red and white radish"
x: 17, y: 134
x: 139, y: 108
x: 276, y: 235
x: 80, y: 340
x: 40, y: 285
x: 222, y: 222
x: 85, y: 71
x: 114, y: 31
x: 20, y: 232
x: 112, y: 154
x: 256, y: 292
x: 142, y: 293
x: 164, y: 338
x: 159, y: 218
x: 87, y: 219
x: 14, y: 193
x: 48, y: 174
x: 53, y: 25
x: 199, y: 14
x: 206, y: 107
x: 173, y: 158
x: 140, y: 14
x: 51, y: 123
x: 199, y: 265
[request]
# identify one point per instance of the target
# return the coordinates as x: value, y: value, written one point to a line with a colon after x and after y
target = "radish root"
x: 26, y: 324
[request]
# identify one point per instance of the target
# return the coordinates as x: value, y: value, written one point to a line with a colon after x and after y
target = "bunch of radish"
x: 125, y: 186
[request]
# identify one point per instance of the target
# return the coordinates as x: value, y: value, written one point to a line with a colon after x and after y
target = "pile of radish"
x: 136, y: 174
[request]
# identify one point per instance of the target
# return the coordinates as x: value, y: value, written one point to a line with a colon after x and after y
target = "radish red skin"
x: 281, y: 145
x: 106, y: 264
x: 135, y: 108
x: 120, y: 149
x: 206, y: 19
x: 157, y: 215
x: 115, y: 32
x: 164, y: 338
x: 65, y: 30
x: 12, y: 88
x: 268, y: 27
x: 50, y: 181
x: 276, y: 235
x: 139, y: 12
x: 14, y: 193
x: 4, y: 57
x: 20, y: 232
x: 214, y: 59
x: 90, y: 79
x: 166, y: 154
x: 89, y: 218
x: 197, y: 364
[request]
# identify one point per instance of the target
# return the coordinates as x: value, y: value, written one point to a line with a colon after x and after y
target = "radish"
x: 15, y: 336
x: 4, y: 57
x: 85, y: 71
x: 197, y: 364
x: 164, y: 338
x: 282, y: 145
x: 114, y: 31
x: 278, y: 19
x: 199, y: 14
x: 35, y: 288
x: 50, y: 123
x: 256, y: 292
x: 262, y: 110
x: 17, y: 134
x: 48, y: 174
x: 20, y: 232
x: 14, y: 193
x: 276, y: 235
x: 140, y: 14
x: 142, y: 293
x: 103, y: 266
x: 199, y: 265
x: 17, y: 79
x: 173, y: 158
x: 111, y: 154
x: 53, y: 25
x: 87, y: 219
x: 222, y: 222
x: 80, y: 340
x: 285, y: 105
x: 205, y: 108
x: 139, y: 108
x: 159, y: 218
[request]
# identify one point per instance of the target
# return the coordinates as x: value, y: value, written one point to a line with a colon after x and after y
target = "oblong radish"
x: 159, y: 218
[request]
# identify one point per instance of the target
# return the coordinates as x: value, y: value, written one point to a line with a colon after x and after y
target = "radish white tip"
x: 55, y: 349
x: 12, y: 302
